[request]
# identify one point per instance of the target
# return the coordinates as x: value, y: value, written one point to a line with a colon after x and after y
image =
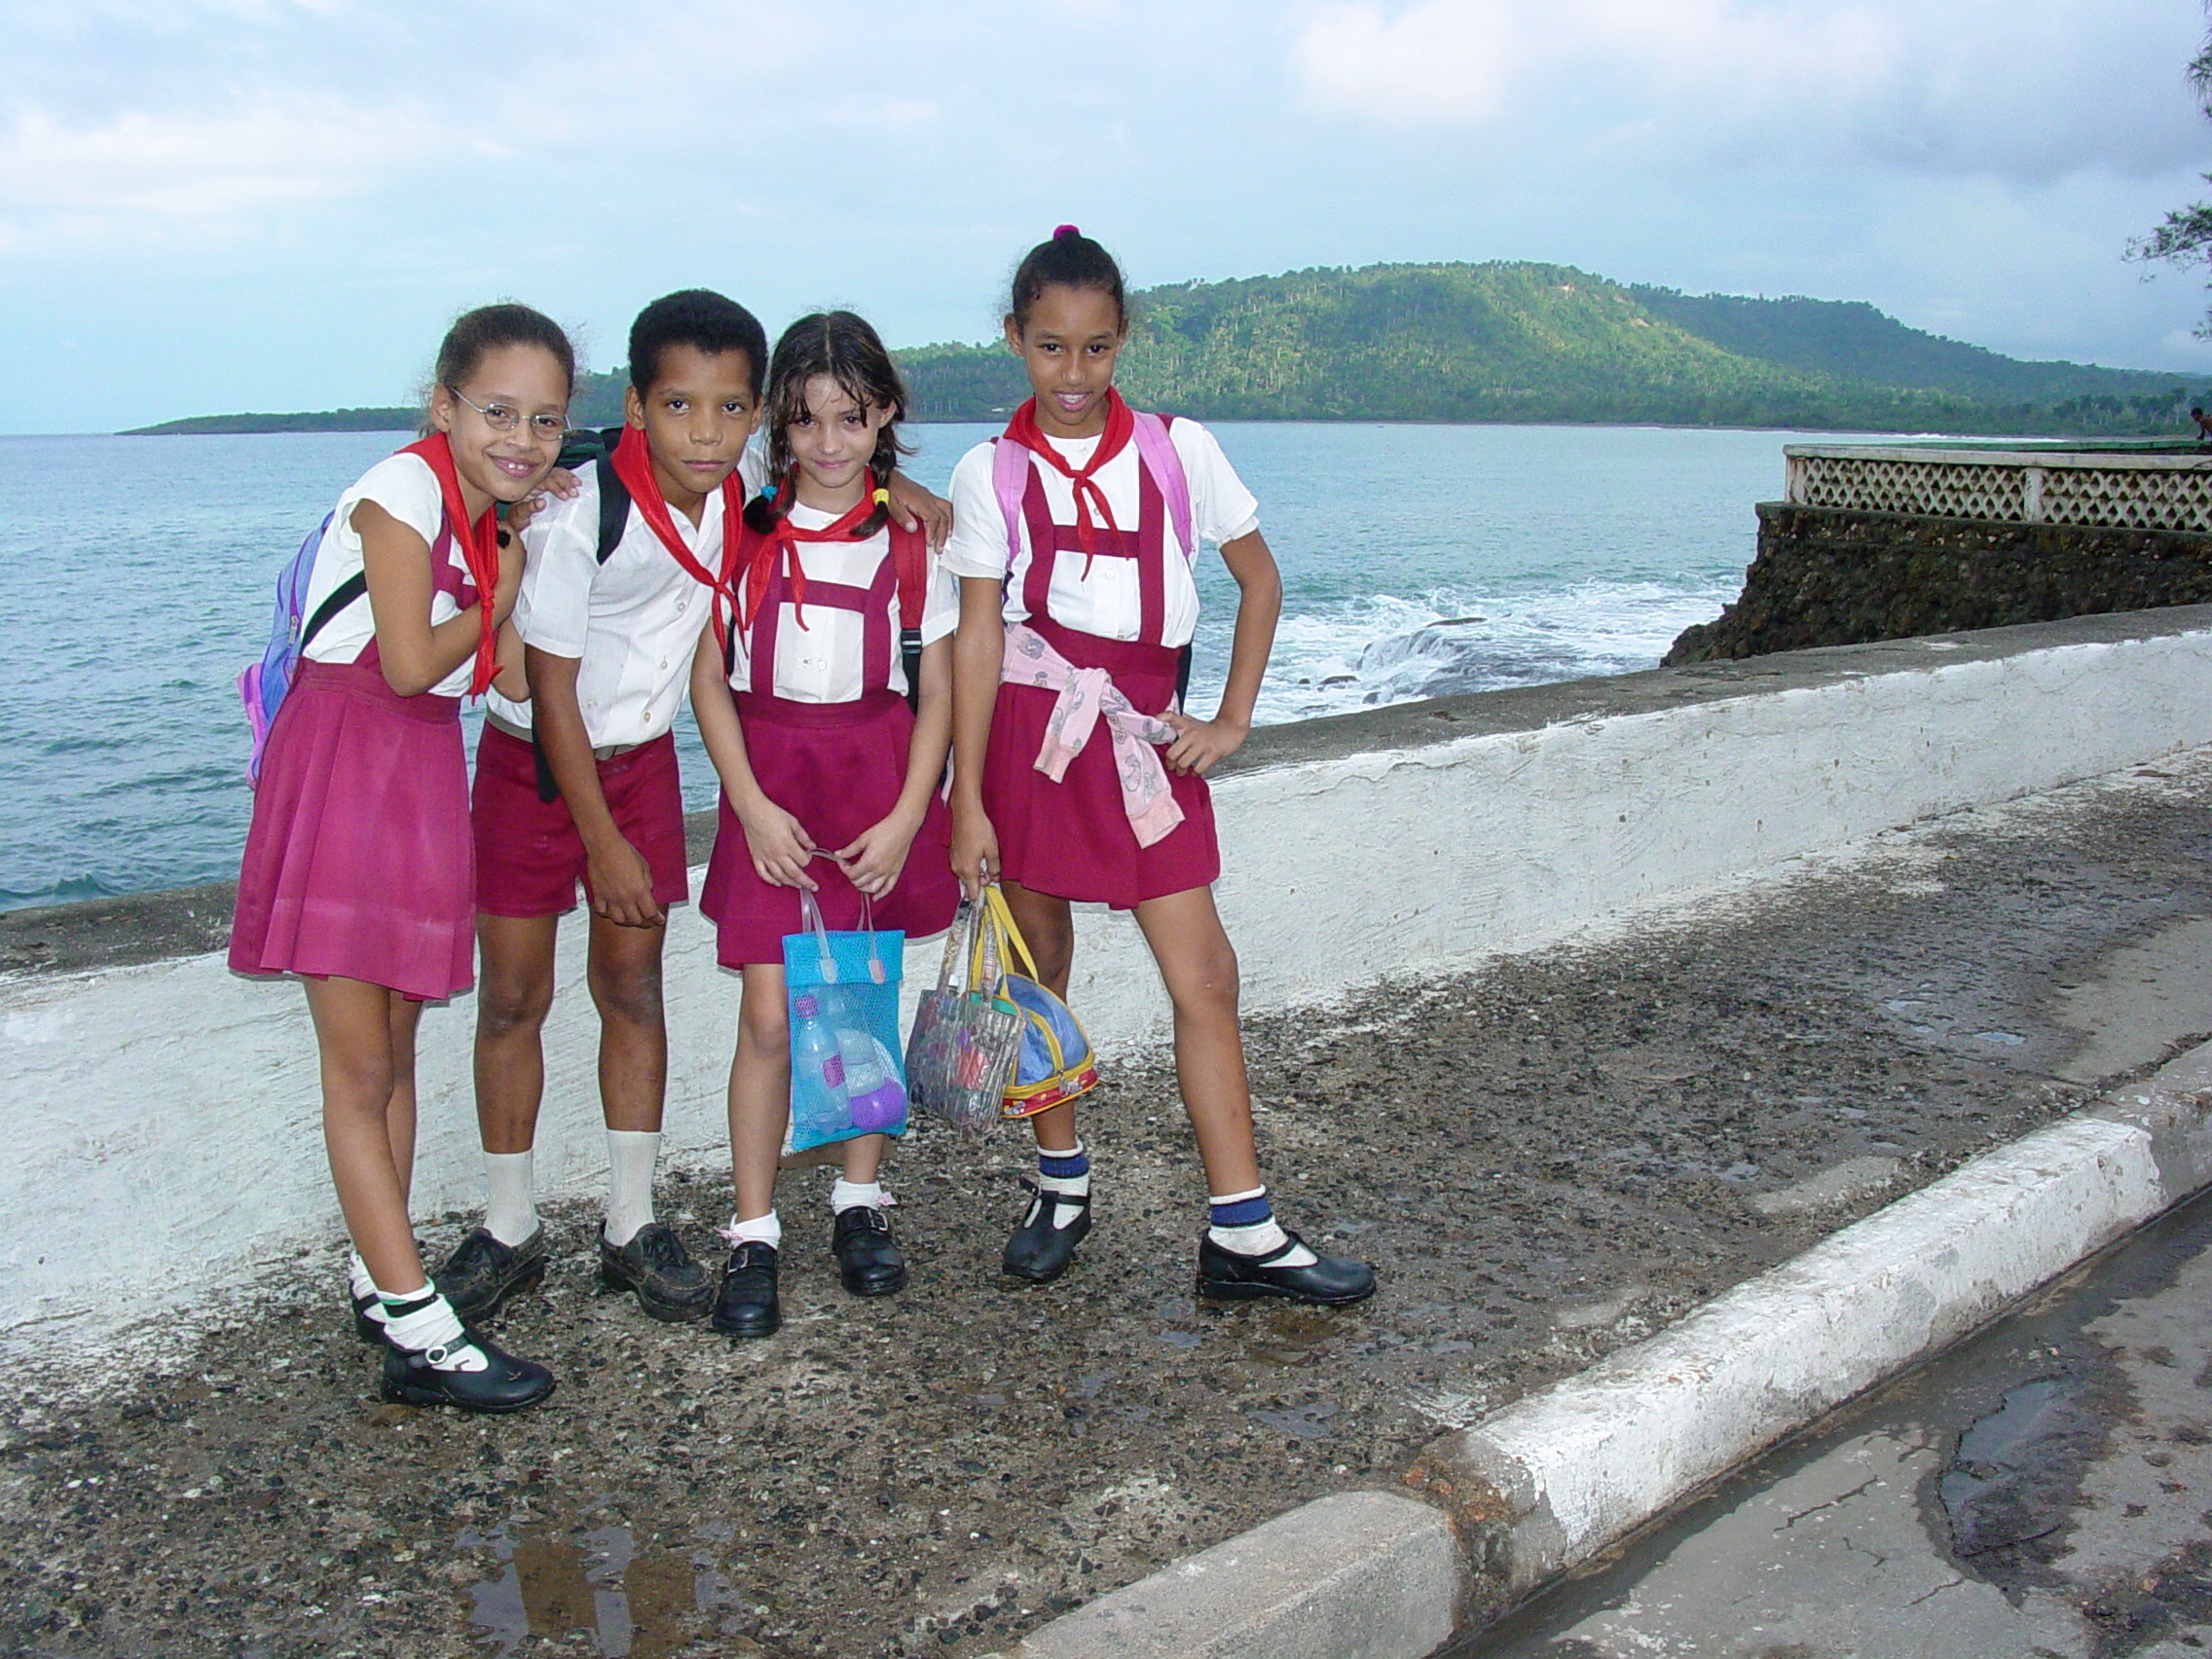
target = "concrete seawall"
x: 173, y: 1106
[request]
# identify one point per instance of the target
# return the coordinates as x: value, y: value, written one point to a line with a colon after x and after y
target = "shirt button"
x: 664, y: 662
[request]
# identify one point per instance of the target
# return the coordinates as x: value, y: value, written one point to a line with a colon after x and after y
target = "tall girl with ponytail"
x: 829, y: 780
x: 359, y: 874
x: 1073, y: 539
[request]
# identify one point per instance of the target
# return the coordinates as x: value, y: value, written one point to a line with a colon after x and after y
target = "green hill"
x: 1511, y: 342
x: 1548, y: 342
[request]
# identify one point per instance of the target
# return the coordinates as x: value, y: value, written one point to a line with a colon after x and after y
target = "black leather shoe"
x: 746, y: 1304
x: 869, y: 1261
x: 659, y: 1272
x: 1330, y: 1281
x: 1039, y: 1251
x: 481, y: 1272
x: 427, y: 1378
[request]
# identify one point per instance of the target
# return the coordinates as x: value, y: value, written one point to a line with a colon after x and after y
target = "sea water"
x: 136, y: 577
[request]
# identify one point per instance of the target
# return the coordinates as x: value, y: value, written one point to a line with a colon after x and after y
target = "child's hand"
x: 1198, y: 743
x: 909, y: 503
x: 622, y: 886
x: 872, y: 863
x: 559, y: 482
x: 975, y: 850
x: 780, y: 848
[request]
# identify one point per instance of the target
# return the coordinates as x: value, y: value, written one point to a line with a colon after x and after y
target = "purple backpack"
x: 262, y: 684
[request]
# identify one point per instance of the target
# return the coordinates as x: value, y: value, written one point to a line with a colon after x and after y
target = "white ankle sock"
x: 631, y: 1154
x: 357, y: 1281
x: 1260, y: 1237
x: 429, y: 1324
x: 765, y: 1230
x: 510, y: 1210
x: 847, y: 1195
x: 1063, y: 1186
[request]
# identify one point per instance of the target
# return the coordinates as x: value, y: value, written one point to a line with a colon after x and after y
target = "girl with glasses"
x: 359, y: 874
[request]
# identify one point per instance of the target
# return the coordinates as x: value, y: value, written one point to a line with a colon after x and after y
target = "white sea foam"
x: 1389, y: 649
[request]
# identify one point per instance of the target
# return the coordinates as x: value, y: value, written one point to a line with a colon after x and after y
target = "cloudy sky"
x: 210, y: 205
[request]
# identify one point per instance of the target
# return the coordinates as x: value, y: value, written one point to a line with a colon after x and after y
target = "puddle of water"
x: 631, y: 1601
x: 2010, y: 1480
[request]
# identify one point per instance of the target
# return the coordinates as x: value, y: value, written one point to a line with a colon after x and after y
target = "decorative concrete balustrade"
x: 1890, y: 541
x: 2148, y: 488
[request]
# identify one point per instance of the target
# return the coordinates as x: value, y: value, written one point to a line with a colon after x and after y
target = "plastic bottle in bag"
x: 820, y: 1107
x: 877, y: 1096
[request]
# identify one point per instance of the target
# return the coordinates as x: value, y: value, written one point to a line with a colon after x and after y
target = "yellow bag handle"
x: 1001, y: 916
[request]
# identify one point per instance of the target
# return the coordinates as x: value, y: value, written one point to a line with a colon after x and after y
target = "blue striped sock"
x: 1242, y: 1210
x: 1064, y: 1165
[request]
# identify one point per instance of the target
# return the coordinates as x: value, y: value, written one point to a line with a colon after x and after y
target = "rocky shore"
x: 1546, y: 1157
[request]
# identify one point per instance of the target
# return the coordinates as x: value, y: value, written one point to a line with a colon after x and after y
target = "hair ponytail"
x: 1067, y: 259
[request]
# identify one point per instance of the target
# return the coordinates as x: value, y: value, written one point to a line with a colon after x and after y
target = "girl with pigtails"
x: 830, y: 778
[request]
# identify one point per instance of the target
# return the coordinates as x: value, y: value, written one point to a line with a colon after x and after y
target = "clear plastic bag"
x: 961, y: 1054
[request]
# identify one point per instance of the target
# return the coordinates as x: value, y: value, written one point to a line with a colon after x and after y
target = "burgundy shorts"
x: 530, y: 859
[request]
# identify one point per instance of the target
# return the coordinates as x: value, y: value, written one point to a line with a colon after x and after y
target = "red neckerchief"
x: 1121, y: 426
x: 788, y: 536
x: 633, y: 467
x: 479, y: 550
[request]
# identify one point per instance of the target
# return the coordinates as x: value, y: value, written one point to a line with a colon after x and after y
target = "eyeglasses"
x: 546, y: 429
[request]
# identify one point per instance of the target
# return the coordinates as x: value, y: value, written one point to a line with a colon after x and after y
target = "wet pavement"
x: 1547, y: 1158
x: 2036, y: 1492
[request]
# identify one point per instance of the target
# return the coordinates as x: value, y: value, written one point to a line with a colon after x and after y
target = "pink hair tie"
x: 1059, y: 231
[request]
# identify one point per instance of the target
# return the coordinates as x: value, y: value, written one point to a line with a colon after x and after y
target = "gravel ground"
x: 1547, y: 1158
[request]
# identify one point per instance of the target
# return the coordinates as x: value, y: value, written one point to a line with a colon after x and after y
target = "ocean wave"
x: 1392, y: 648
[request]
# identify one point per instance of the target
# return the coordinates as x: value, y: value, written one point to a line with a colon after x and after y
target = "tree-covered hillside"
x: 1548, y: 342
x: 1514, y: 341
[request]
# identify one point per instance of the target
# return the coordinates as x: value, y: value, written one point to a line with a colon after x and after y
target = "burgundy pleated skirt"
x: 1073, y: 838
x: 838, y: 768
x: 359, y: 861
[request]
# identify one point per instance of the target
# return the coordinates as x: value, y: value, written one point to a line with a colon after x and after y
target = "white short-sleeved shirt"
x: 631, y: 623
x: 822, y: 662
x: 406, y: 488
x: 1106, y: 603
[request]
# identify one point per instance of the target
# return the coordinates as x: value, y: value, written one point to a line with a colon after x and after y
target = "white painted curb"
x: 1551, y: 1481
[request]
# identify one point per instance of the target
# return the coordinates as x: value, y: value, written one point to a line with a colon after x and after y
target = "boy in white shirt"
x: 580, y: 784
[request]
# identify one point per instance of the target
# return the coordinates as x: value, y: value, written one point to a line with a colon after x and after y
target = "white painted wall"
x: 165, y: 1116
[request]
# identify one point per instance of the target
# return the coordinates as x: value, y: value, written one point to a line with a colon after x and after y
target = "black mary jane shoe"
x: 868, y: 1262
x: 1327, y: 1282
x: 746, y: 1306
x: 420, y: 1377
x: 368, y: 1321
x: 655, y: 1268
x: 1039, y: 1251
x: 482, y: 1274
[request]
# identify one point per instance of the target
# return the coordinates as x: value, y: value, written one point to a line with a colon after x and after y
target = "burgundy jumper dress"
x: 836, y: 767
x: 359, y: 861
x: 1072, y: 838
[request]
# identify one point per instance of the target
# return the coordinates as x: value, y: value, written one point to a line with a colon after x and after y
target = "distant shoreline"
x: 386, y: 419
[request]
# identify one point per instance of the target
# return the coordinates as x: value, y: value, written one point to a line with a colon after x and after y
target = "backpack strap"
x: 613, y: 498
x: 1156, y: 450
x: 339, y: 598
x: 910, y: 559
x: 1010, y: 477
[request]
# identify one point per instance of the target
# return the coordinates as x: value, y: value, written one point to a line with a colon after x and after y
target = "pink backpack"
x: 1010, y: 477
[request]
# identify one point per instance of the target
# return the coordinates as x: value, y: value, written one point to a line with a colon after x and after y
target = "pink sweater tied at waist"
x: 1086, y: 695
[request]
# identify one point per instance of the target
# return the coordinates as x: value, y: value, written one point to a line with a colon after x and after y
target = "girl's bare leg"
x: 356, y: 1032
x: 759, y: 1089
x: 1199, y: 968
x: 399, y: 1120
